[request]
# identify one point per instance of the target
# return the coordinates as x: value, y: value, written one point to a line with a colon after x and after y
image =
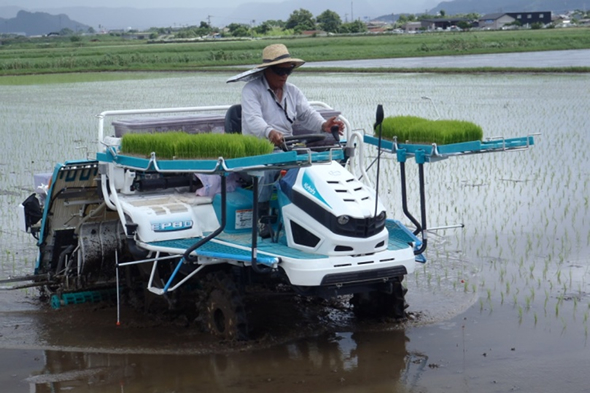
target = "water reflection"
x: 359, y: 362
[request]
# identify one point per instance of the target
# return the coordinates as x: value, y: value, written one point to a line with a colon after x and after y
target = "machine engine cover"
x: 326, y: 210
x: 161, y: 217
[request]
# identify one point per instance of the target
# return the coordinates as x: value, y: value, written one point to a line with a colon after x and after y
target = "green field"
x: 107, y: 54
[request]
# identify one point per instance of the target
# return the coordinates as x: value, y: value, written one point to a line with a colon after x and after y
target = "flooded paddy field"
x: 502, y: 305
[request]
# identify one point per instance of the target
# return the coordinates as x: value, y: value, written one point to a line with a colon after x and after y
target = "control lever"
x: 335, y: 133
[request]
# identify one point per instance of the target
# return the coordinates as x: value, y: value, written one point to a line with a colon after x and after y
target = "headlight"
x: 381, y: 216
x: 343, y: 220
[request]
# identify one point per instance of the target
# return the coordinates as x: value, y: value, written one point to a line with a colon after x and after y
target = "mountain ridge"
x: 39, y: 23
x: 498, y: 6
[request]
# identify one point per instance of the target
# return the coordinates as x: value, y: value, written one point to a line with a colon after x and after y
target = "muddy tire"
x: 381, y: 304
x: 220, y: 308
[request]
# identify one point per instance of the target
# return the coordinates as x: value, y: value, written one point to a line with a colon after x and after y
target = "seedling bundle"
x: 412, y: 129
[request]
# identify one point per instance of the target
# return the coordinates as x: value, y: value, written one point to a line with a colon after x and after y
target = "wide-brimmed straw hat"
x: 278, y: 54
x: 271, y: 56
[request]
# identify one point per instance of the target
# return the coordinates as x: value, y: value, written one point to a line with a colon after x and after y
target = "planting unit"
x: 134, y: 223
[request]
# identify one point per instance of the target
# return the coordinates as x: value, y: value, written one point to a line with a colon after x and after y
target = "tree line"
x: 299, y: 21
x: 328, y: 21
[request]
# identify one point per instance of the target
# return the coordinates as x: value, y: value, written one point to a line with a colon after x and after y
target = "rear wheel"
x: 220, y: 307
x: 379, y: 304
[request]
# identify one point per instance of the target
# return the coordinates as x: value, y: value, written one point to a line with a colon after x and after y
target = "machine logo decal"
x: 170, y: 226
x: 309, y: 186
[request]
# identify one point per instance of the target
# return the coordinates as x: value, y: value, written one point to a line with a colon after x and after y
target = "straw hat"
x: 271, y: 55
x: 278, y: 54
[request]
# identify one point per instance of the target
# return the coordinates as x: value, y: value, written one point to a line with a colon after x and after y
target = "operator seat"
x: 233, y: 119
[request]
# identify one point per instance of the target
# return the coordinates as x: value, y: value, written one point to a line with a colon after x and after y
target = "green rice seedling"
x: 169, y: 145
x: 557, y: 306
x: 145, y: 144
x: 445, y: 132
x: 545, y: 269
x: 414, y: 129
x: 210, y: 146
x: 400, y: 126
x: 255, y: 146
x: 531, y: 270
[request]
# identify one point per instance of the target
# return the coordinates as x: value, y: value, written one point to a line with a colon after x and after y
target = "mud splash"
x: 28, y: 323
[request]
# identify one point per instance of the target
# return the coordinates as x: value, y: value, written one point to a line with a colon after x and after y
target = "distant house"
x: 314, y: 33
x: 377, y: 30
x: 528, y: 18
x: 442, y: 23
x: 561, y: 20
x: 412, y: 27
x: 498, y: 20
x: 495, y: 21
x: 373, y: 24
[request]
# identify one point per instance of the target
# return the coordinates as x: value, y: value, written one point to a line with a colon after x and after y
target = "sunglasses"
x: 282, y: 71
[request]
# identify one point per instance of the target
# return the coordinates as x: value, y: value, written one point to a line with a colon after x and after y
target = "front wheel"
x: 379, y: 304
x: 220, y: 307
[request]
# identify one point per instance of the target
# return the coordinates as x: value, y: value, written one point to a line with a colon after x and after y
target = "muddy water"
x: 501, y: 306
x: 303, y: 346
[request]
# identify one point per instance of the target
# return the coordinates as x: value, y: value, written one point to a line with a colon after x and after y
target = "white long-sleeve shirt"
x: 262, y: 112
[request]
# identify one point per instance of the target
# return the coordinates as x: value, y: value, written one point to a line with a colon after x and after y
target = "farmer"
x: 270, y: 105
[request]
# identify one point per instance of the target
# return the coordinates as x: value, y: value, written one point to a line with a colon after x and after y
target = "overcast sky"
x: 401, y: 5
x: 143, y: 14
